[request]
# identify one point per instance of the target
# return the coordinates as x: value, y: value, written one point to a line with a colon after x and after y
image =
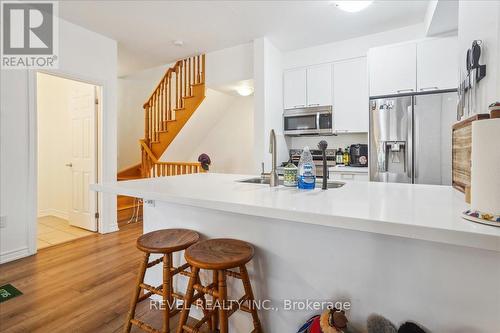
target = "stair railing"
x: 169, y: 95
x: 152, y: 167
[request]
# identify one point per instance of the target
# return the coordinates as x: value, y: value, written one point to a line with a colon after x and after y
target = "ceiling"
x: 145, y: 30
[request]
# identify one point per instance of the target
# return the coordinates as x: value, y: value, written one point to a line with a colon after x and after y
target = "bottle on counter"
x: 346, y: 157
x: 307, y: 171
x: 339, y: 157
x: 290, y: 175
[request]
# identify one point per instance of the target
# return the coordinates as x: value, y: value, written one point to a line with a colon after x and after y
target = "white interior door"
x: 83, y: 120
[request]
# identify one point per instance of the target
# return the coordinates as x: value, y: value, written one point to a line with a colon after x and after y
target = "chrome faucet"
x: 273, y: 176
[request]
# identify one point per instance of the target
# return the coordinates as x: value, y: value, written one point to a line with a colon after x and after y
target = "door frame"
x: 33, y: 149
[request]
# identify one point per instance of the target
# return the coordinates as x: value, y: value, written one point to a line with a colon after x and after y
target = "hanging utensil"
x: 468, y: 63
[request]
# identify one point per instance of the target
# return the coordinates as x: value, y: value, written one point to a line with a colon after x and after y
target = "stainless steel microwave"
x: 308, y: 121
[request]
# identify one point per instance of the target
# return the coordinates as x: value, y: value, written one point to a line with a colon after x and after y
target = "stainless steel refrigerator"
x: 410, y: 138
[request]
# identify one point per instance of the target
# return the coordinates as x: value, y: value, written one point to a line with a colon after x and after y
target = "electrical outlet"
x: 3, y: 221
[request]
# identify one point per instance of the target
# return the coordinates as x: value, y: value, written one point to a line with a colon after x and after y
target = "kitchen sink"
x: 258, y: 180
x: 265, y: 181
x: 330, y: 184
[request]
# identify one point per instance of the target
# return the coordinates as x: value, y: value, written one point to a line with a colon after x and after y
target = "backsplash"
x: 334, y: 142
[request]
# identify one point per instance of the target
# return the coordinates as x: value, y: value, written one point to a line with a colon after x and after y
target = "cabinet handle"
x: 69, y: 165
x: 314, y: 104
x: 404, y: 90
x: 299, y: 106
x: 429, y: 88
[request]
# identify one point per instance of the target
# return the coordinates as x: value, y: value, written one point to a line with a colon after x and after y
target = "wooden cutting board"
x: 461, y: 151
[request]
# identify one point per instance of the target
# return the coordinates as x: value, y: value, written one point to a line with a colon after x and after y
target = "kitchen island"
x: 399, y: 250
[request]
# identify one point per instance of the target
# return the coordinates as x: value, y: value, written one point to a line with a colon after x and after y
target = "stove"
x: 317, y: 156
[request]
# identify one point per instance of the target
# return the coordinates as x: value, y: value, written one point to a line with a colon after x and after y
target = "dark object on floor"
x: 204, y: 159
x: 333, y: 320
x: 7, y: 292
x: 379, y: 324
x: 409, y: 327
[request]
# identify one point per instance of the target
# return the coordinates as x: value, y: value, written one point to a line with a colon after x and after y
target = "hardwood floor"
x: 81, y: 286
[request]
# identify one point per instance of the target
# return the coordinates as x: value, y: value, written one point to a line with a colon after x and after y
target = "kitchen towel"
x: 485, y: 168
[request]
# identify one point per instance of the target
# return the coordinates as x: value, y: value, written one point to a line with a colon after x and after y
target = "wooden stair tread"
x: 128, y: 206
x: 120, y: 178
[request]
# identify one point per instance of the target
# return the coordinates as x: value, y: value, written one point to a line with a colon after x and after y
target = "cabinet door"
x: 350, y: 96
x: 319, y: 85
x: 294, y: 88
x: 363, y: 177
x: 393, y: 69
x: 437, y: 64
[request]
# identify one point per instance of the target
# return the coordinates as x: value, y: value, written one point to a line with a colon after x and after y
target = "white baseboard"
x: 14, y: 255
x: 53, y: 212
x: 109, y: 229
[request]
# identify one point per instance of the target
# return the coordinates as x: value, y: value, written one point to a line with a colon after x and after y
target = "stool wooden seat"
x: 163, y: 242
x: 219, y: 255
x: 167, y: 240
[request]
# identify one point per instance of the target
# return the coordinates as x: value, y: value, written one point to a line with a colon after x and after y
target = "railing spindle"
x: 189, y: 73
x: 170, y: 95
x: 185, y: 74
x: 157, y: 107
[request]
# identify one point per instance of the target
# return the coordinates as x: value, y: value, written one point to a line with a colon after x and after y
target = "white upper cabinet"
x: 319, y: 85
x: 306, y: 87
x: 437, y: 64
x: 294, y: 88
x: 350, y: 91
x: 393, y: 69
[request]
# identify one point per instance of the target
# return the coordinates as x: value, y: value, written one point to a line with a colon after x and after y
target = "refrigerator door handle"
x: 409, y: 146
x: 415, y: 138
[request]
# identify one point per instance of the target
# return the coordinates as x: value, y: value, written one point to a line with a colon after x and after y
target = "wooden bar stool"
x: 163, y: 242
x: 219, y: 255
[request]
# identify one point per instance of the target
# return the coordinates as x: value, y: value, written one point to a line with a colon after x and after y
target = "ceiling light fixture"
x: 178, y: 43
x: 244, y: 90
x: 352, y: 6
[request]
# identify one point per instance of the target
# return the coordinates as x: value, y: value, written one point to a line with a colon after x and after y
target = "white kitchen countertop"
x: 425, y: 212
x: 342, y: 168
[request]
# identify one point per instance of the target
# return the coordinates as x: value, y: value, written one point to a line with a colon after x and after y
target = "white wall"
x: 133, y: 91
x: 350, y: 48
x: 83, y: 54
x: 221, y: 127
x: 481, y: 20
x: 229, y: 143
x: 268, y: 108
x: 229, y: 65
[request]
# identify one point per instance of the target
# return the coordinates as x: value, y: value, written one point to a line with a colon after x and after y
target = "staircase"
x: 167, y: 110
